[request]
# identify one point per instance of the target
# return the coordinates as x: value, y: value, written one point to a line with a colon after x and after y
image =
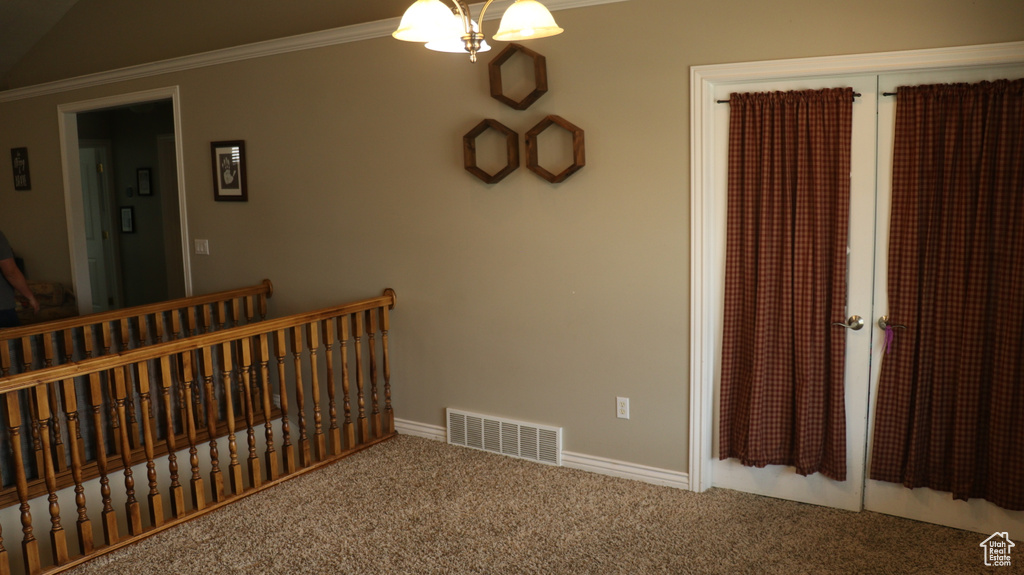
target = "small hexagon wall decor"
x: 511, y: 145
x: 540, y: 76
x: 578, y: 151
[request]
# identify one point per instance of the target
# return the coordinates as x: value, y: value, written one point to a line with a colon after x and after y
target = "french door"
x: 891, y: 498
x: 782, y: 481
x: 872, y: 143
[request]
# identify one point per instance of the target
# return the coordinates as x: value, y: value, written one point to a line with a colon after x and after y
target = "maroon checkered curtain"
x: 785, y: 280
x: 950, y: 409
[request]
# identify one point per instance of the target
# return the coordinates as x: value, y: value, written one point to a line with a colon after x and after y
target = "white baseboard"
x: 406, y: 427
x: 627, y: 470
x: 604, y: 466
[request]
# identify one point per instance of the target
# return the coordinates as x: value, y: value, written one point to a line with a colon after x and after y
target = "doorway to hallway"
x: 124, y: 200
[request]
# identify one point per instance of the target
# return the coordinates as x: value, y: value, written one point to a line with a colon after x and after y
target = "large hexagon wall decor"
x: 511, y: 146
x: 578, y: 152
x: 540, y: 76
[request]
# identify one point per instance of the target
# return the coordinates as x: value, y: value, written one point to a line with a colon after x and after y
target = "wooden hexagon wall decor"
x: 540, y: 76
x: 578, y: 152
x: 511, y: 145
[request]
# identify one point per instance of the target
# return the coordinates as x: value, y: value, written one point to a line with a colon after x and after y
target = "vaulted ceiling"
x: 23, y: 23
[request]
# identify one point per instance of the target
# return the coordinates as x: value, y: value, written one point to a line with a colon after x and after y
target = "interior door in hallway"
x: 892, y: 498
x: 780, y: 480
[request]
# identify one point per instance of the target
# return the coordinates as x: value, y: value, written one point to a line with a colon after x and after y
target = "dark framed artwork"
x: 229, y: 181
x: 19, y: 162
x: 144, y: 181
x: 128, y: 220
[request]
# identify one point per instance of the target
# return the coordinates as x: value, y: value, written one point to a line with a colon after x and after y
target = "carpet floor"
x: 413, y: 505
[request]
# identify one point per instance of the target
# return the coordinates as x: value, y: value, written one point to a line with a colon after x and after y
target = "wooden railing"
x: 61, y: 341
x: 64, y: 340
x: 328, y: 371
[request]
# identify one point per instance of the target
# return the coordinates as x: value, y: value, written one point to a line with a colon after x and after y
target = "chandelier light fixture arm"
x: 441, y: 28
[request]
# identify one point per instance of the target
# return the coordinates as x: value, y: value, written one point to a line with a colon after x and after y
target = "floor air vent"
x: 515, y: 438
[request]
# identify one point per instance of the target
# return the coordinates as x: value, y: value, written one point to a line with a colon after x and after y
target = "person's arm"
x: 17, y: 280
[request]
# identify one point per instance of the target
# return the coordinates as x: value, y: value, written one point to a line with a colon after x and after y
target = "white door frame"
x: 706, y: 246
x: 67, y: 119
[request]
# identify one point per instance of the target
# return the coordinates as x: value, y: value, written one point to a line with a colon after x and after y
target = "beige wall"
x: 523, y: 299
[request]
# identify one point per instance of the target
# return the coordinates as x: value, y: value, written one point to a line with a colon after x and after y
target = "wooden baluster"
x: 208, y: 317
x: 256, y: 393
x: 48, y: 352
x: 332, y: 407
x: 221, y: 314
x: 5, y: 357
x: 389, y: 413
x: 371, y: 323
x: 115, y: 431
x: 286, y: 446
x: 133, y: 423
x: 255, y: 478
x: 195, y: 320
x: 300, y: 398
x: 69, y: 356
x: 133, y: 513
x: 235, y: 311
x: 319, y: 439
x: 216, y: 475
x: 364, y: 424
x: 144, y: 331
x: 126, y: 334
x: 176, y: 324
x: 156, y: 501
x: 59, y: 451
x: 29, y: 544
x: 348, y: 428
x: 107, y: 337
x: 270, y: 455
x: 88, y: 341
x: 27, y: 364
x: 177, y: 492
x: 58, y: 538
x: 68, y: 336
x: 263, y: 306
x: 27, y: 355
x: 159, y: 327
x: 127, y: 342
x: 250, y: 309
x: 84, y: 524
x: 110, y: 534
x: 189, y: 381
x: 234, y: 468
x: 192, y: 316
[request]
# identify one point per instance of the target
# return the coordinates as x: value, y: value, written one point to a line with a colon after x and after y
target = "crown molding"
x: 334, y: 36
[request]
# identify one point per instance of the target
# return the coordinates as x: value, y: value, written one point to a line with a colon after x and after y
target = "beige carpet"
x: 414, y: 505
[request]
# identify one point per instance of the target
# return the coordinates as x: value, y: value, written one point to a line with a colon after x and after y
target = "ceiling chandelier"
x: 444, y: 29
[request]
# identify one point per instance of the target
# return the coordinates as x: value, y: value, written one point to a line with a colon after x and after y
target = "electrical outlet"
x: 622, y: 407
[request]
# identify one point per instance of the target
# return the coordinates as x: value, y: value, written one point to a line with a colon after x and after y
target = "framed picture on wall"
x: 144, y: 182
x: 19, y: 162
x: 128, y: 220
x: 229, y: 181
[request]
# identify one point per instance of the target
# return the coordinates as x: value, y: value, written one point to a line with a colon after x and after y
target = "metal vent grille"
x: 513, y: 438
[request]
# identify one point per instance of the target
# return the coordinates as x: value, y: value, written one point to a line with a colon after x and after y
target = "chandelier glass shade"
x: 452, y: 29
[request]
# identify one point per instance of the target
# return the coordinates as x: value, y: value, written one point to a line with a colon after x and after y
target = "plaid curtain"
x: 785, y: 280
x: 950, y: 409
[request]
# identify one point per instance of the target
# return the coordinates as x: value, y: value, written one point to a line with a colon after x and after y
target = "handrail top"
x: 87, y: 366
x: 265, y: 287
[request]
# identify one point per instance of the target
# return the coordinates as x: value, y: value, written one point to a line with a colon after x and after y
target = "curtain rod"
x: 855, y: 96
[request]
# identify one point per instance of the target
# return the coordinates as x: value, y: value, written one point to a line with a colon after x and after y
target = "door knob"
x: 883, y: 322
x: 854, y: 322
